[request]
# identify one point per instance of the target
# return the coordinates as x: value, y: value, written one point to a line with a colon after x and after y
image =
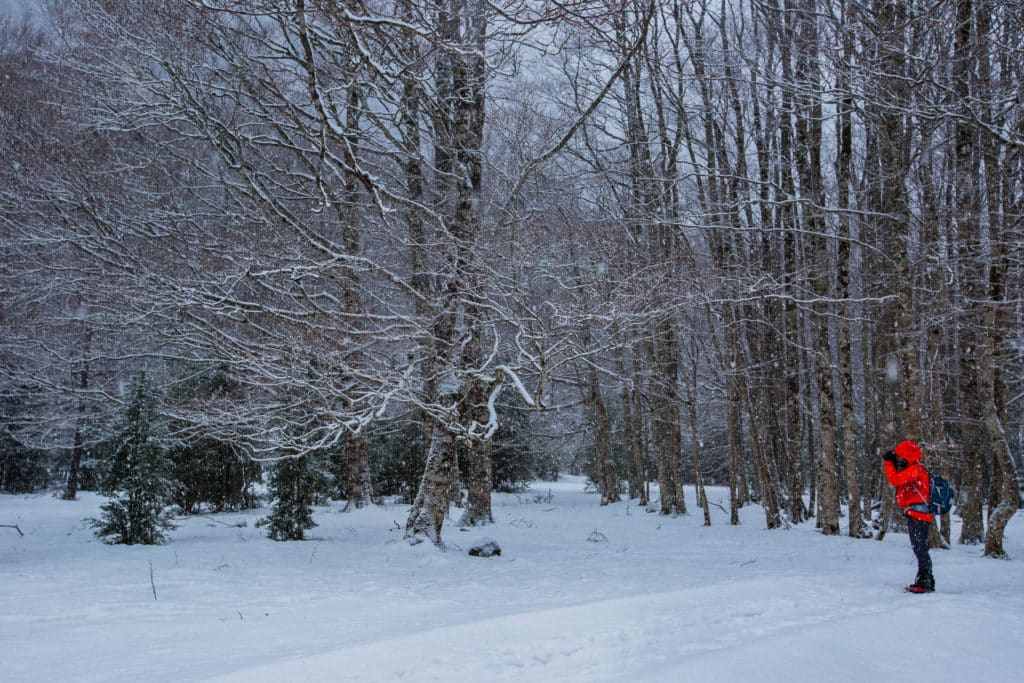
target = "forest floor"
x: 580, y: 593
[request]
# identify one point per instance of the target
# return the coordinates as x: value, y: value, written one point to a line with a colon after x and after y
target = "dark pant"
x: 919, y: 542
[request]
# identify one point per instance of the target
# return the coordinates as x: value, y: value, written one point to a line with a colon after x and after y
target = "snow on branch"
x: 518, y: 384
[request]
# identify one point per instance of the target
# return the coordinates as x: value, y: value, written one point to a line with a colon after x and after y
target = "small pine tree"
x: 293, y: 485
x: 138, y: 482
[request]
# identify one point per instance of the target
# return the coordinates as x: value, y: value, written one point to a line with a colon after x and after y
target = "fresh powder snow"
x: 579, y: 593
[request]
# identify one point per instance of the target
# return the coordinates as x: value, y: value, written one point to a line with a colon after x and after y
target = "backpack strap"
x: 925, y: 507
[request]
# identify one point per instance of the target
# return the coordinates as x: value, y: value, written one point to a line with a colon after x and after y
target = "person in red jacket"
x: 903, y: 469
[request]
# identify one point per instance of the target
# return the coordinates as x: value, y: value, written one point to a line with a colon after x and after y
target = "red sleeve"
x: 895, y: 478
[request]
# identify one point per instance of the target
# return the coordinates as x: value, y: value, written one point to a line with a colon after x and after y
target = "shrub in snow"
x: 138, y: 482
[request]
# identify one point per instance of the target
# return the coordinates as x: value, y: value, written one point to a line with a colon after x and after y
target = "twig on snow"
x: 237, y: 525
x: 15, y: 527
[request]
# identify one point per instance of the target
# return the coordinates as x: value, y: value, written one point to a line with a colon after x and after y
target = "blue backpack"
x: 942, y: 496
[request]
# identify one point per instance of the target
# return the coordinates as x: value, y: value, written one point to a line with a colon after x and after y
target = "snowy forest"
x: 298, y: 251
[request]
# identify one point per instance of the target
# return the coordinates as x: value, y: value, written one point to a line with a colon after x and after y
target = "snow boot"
x: 916, y: 588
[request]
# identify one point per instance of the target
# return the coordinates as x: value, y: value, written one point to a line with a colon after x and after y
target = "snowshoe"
x: 914, y: 588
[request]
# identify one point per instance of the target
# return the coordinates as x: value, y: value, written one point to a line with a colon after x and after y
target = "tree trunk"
x: 604, y: 470
x: 828, y: 483
x: 639, y: 452
x: 78, y: 449
x: 848, y: 288
x: 479, y: 483
x: 732, y: 437
x: 994, y: 388
x: 665, y: 431
x: 358, y: 489
x: 632, y: 428
x: 426, y: 516
x: 1009, y: 489
x: 765, y: 480
x: 966, y: 220
x: 691, y: 402
x: 458, y: 150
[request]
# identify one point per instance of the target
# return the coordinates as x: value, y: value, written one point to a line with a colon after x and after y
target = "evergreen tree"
x: 211, y: 470
x: 139, y: 482
x: 516, y: 461
x: 398, y: 455
x: 22, y: 469
x: 294, y: 483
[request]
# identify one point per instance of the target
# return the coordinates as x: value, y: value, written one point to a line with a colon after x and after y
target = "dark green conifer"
x: 138, y: 483
x: 293, y: 485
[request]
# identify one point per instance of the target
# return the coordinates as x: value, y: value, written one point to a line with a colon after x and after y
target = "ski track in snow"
x: 661, y: 599
x: 594, y: 641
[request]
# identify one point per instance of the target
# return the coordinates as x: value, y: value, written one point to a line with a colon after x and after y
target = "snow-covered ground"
x: 646, y: 598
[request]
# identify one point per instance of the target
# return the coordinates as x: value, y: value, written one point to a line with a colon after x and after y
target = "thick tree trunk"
x: 358, y: 490
x: 665, y: 428
x: 459, y: 119
x: 428, y: 511
x: 993, y: 187
x: 479, y: 483
x: 850, y: 364
x: 1009, y: 489
x: 1004, y: 466
x: 966, y: 220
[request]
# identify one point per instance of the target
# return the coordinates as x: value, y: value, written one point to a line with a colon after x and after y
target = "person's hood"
x: 909, y: 451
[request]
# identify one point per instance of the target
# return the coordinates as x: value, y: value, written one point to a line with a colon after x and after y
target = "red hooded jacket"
x: 912, y: 482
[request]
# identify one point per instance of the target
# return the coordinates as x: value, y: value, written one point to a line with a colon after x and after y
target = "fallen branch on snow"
x: 15, y: 527
x: 237, y: 525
